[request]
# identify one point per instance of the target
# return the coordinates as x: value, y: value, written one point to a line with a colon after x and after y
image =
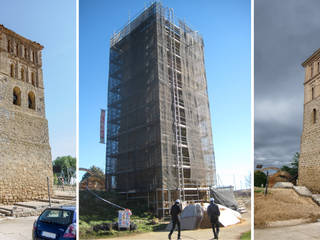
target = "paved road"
x: 16, y: 228
x: 231, y: 233
x: 305, y: 231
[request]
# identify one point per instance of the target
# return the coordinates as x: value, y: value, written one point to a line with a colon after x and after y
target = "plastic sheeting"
x: 224, y: 196
x: 195, y: 216
x: 227, y: 216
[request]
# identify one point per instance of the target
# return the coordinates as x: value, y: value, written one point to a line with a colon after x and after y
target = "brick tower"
x: 25, y: 154
x: 309, y: 163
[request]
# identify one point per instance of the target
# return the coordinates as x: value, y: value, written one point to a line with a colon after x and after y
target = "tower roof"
x: 23, y: 39
x: 311, y: 58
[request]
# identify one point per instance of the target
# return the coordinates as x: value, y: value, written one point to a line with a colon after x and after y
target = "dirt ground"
x: 231, y: 233
x: 283, y: 204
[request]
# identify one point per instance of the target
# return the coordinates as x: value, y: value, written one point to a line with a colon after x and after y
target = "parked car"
x: 56, y: 223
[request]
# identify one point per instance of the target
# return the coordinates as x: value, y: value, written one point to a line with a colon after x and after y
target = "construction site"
x: 159, y: 137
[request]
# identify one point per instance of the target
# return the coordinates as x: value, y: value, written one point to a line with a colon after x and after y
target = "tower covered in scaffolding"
x: 159, y: 137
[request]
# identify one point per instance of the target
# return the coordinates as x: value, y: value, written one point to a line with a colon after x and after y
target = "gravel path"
x: 305, y: 231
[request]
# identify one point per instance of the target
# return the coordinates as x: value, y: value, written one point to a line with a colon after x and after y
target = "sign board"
x: 124, y: 218
x: 102, y: 122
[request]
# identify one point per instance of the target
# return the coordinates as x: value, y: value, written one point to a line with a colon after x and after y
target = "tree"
x: 259, y: 178
x: 96, y: 170
x: 65, y: 167
x: 295, y: 162
x: 293, y: 170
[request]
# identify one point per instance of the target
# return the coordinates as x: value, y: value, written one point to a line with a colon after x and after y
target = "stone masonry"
x: 309, y: 163
x: 25, y: 154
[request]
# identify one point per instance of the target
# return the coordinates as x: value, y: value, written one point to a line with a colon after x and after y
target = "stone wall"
x: 25, y: 154
x: 309, y: 162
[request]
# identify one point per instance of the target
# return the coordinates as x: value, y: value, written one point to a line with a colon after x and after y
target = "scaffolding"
x: 159, y: 138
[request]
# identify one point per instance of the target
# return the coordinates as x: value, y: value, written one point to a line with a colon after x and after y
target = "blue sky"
x: 52, y: 24
x: 225, y: 27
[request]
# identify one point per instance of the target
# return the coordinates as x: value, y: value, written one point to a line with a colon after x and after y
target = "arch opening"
x: 31, y: 101
x: 16, y: 96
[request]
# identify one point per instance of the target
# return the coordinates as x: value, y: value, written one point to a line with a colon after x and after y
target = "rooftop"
x: 311, y: 58
x: 154, y: 8
x: 23, y: 39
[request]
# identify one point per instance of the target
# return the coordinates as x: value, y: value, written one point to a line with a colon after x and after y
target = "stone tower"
x: 309, y: 163
x: 159, y: 137
x: 25, y: 154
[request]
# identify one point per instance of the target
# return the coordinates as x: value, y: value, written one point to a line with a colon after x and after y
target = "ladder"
x: 172, y: 51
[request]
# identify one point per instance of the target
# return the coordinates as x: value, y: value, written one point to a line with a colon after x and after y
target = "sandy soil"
x: 283, y: 204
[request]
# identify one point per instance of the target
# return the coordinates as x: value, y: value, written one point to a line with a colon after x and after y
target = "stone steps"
x: 31, y: 208
x: 63, y: 197
x: 302, y: 191
x: 47, y: 200
x: 316, y: 198
x: 5, y: 212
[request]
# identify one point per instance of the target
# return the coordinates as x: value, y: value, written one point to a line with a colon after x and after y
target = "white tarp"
x: 195, y: 216
x: 227, y: 216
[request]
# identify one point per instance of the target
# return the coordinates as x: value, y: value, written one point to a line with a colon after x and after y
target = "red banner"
x: 102, y: 122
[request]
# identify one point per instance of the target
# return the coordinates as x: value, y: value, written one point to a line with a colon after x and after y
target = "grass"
x: 94, y: 212
x: 246, y: 236
x: 258, y: 190
x: 282, y: 204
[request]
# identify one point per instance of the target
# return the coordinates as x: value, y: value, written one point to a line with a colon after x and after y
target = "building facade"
x: 159, y: 137
x: 309, y: 162
x: 25, y: 154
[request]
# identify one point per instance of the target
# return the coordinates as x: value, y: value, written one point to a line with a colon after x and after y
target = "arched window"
x: 25, y: 53
x: 314, y: 115
x: 11, y: 70
x: 312, y: 93
x: 312, y: 70
x: 17, y: 49
x: 33, y: 79
x: 22, y: 74
x: 16, y: 96
x: 31, y: 101
x: 9, y: 46
x: 35, y: 57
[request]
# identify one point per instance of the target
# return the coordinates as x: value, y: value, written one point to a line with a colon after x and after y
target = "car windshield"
x: 56, y: 216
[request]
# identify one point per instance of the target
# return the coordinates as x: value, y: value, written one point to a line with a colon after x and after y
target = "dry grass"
x: 282, y: 204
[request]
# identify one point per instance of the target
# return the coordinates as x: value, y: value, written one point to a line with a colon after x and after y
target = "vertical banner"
x: 102, y: 121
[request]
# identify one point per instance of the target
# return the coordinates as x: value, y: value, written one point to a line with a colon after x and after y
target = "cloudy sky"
x: 286, y: 33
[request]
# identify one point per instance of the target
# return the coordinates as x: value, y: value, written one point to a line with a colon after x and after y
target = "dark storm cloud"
x: 286, y: 33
